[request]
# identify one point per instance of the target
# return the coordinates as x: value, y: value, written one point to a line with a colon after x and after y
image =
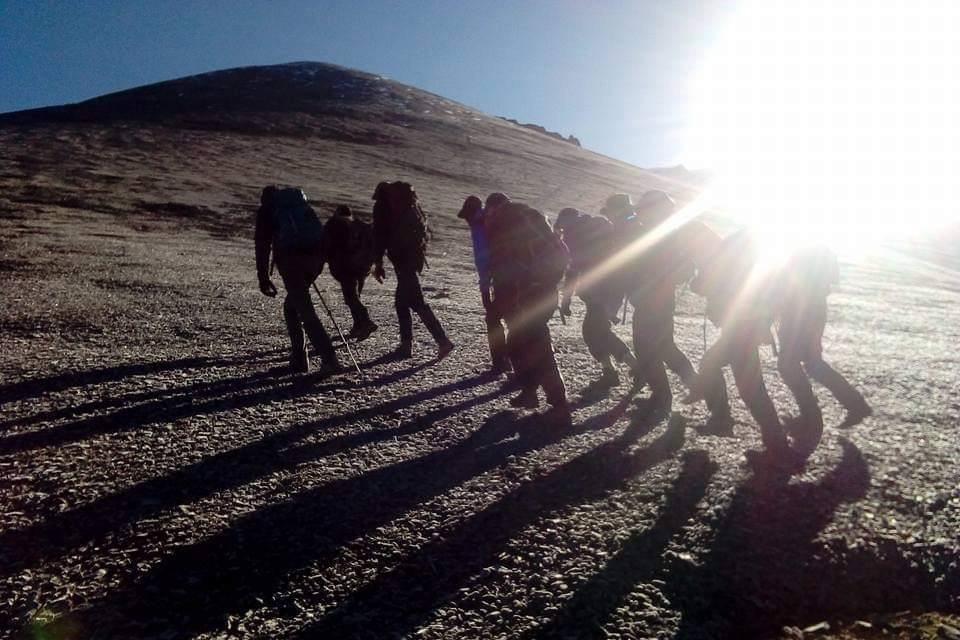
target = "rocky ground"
x: 160, y: 479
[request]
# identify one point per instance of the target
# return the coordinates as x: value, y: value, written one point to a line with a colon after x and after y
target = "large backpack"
x: 409, y: 230
x: 295, y: 223
x: 362, y: 247
x: 525, y: 247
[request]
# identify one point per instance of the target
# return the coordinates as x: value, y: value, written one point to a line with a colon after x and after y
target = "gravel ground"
x: 159, y: 479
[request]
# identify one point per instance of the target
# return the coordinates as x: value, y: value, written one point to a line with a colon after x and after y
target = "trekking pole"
x: 337, y: 326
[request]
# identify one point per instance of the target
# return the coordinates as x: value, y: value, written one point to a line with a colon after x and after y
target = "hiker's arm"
x: 262, y: 237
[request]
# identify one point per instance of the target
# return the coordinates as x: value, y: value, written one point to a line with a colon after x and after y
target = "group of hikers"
x: 637, y: 253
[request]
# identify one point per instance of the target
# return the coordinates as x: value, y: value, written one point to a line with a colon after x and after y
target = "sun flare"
x: 832, y: 120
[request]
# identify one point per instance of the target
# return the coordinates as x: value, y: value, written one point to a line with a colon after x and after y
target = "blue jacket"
x: 481, y: 248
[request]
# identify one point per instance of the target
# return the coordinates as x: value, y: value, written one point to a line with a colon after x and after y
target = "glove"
x: 267, y: 288
x: 378, y: 272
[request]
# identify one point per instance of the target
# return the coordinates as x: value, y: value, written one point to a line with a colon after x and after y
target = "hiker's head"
x: 565, y: 218
x: 655, y: 206
x: 343, y: 210
x: 471, y: 207
x: 618, y: 207
x: 268, y: 195
x: 494, y: 201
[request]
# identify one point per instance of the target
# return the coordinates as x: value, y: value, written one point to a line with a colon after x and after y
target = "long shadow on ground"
x: 38, y: 386
x: 766, y: 568
x: 397, y: 602
x: 638, y: 560
x: 195, y: 588
x: 186, y: 402
x: 63, y: 532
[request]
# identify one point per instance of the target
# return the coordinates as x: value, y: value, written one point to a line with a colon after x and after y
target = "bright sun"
x: 832, y: 120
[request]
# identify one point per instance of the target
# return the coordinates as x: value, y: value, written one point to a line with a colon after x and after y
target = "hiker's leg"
x: 671, y: 354
x: 300, y: 300
x: 545, y: 364
x: 647, y: 347
x: 351, y: 297
x: 499, y: 356
x: 422, y: 309
x: 298, y: 348
x: 851, y: 399
x: 401, y: 301
x: 595, y: 324
x: 748, y: 375
x: 519, y: 348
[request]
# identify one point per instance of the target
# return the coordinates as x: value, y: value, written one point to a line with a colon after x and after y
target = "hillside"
x: 203, y: 146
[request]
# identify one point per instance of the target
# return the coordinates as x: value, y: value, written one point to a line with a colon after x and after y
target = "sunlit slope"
x: 202, y: 146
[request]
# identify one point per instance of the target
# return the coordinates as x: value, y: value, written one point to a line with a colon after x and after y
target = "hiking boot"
x: 444, y: 349
x: 299, y: 362
x: 363, y: 330
x: 527, y: 399
x: 856, y: 415
x: 404, y: 351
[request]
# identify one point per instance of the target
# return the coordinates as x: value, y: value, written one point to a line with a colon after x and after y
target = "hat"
x: 655, y: 205
x: 565, y: 217
x: 617, y: 203
x: 655, y: 198
x: 471, y: 207
x: 496, y: 199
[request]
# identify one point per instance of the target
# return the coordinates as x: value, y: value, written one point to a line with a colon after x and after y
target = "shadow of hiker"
x: 187, y: 401
x: 60, y: 382
x: 93, y: 522
x: 762, y: 570
x: 396, y: 602
x: 637, y: 561
x: 231, y: 571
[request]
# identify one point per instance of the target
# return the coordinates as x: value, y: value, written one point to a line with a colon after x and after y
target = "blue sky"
x: 614, y: 74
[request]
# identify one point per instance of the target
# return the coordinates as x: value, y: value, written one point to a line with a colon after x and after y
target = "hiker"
x: 739, y: 302
x: 288, y: 226
x: 591, y: 242
x: 400, y: 232
x: 348, y: 249
x: 658, y: 254
x: 473, y: 212
x: 527, y: 262
x: 803, y: 284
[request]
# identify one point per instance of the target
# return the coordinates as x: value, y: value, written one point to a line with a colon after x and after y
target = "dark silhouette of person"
x: 473, y: 212
x: 349, y: 250
x: 739, y: 302
x: 527, y: 262
x: 400, y: 232
x: 802, y: 288
x: 288, y: 227
x: 657, y: 254
x: 591, y: 242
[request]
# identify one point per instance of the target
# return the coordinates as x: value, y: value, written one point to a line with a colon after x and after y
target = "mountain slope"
x: 204, y: 145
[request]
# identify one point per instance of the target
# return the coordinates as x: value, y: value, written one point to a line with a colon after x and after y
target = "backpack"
x: 362, y: 250
x: 805, y: 278
x: 295, y: 223
x: 409, y: 230
x: 723, y: 277
x: 526, y: 248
